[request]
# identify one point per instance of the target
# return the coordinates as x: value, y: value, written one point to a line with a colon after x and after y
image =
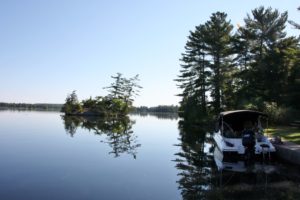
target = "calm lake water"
x: 47, y: 156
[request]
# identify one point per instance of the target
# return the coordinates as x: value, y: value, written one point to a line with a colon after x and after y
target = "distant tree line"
x: 256, y: 66
x: 157, y: 109
x: 26, y: 106
x: 117, y: 103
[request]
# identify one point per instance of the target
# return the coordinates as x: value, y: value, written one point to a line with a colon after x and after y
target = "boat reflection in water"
x: 203, y: 174
x: 118, y: 132
x: 241, y: 165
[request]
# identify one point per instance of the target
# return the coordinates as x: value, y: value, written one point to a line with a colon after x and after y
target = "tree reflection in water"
x: 200, y: 178
x: 118, y: 132
x: 159, y: 115
x: 194, y: 162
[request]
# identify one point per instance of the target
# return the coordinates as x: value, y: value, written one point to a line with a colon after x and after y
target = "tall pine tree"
x: 266, y: 30
x: 194, y: 75
x: 218, y: 42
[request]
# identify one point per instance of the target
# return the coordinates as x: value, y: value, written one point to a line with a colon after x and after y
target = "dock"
x: 289, y: 152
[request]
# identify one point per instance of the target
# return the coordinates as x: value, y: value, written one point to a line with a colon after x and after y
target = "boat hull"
x: 232, y: 148
x: 239, y: 165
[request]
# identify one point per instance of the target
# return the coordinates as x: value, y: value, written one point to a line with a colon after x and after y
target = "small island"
x: 117, y: 103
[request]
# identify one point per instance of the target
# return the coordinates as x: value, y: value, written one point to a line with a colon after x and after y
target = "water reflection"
x: 161, y: 115
x: 203, y: 174
x: 194, y: 162
x: 118, y: 132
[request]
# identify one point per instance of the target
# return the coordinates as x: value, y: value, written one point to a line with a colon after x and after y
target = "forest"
x: 27, y: 106
x: 255, y: 66
x: 157, y: 109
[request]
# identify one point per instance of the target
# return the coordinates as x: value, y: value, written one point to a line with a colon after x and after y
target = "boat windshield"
x: 236, y: 131
x: 229, y: 132
x: 234, y: 123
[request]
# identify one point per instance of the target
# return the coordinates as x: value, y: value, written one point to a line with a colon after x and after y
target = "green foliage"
x: 279, y: 114
x: 206, y: 68
x: 124, y: 88
x: 194, y: 73
x: 89, y: 103
x: 218, y: 38
x: 118, y: 102
x: 255, y: 68
x: 72, y: 104
x: 116, y: 88
x: 119, y: 106
x: 273, y: 111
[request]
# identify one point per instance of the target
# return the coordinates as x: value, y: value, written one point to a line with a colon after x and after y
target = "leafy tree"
x: 72, y: 104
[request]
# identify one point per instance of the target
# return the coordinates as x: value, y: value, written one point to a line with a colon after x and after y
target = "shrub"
x: 279, y: 114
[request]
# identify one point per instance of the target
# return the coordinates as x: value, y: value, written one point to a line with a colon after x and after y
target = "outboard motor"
x: 248, y: 141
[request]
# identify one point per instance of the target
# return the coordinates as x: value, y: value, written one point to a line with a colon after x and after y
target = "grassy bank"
x: 288, y: 133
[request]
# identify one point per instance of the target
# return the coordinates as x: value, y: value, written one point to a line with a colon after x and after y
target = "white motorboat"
x: 230, y: 133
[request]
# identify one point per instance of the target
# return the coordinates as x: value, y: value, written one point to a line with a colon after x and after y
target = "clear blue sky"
x: 50, y: 47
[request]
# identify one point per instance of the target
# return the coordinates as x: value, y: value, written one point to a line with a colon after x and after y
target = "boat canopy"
x: 237, y: 118
x: 249, y: 113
